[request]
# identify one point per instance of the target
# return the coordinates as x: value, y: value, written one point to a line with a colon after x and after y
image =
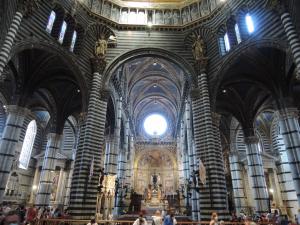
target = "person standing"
x: 140, y: 221
x: 214, y: 219
x: 157, y: 219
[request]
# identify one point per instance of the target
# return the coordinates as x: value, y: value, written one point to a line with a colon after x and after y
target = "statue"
x: 101, y: 48
x: 199, y: 51
x: 149, y: 193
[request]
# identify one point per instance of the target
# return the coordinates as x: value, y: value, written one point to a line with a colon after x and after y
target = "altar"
x: 154, y: 197
x: 150, y: 206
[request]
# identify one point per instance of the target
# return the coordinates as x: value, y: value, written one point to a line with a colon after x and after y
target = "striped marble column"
x: 130, y: 162
x: 86, y: 174
x: 290, y: 131
x: 122, y: 163
x: 68, y: 185
x: 213, y: 194
x: 293, y: 39
x: 24, y: 9
x: 9, y: 142
x: 256, y: 175
x: 192, y: 156
x: 285, y: 178
x: 48, y: 168
x: 237, y: 182
x: 115, y: 148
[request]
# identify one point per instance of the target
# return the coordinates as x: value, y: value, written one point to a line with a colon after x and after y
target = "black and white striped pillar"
x: 48, y: 169
x: 293, y: 39
x: 236, y: 170
x: 112, y: 161
x: 192, y: 156
x: 24, y: 9
x: 290, y: 131
x: 285, y: 178
x: 256, y: 175
x: 88, y: 156
x: 10, y: 137
x: 213, y: 194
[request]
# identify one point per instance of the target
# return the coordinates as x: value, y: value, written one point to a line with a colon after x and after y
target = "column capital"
x: 98, y: 64
x: 54, y: 136
x: 27, y: 7
x: 104, y: 94
x: 216, y: 117
x: 201, y: 65
x: 288, y: 113
x: 251, y: 140
x: 17, y: 109
x: 195, y: 93
x: 276, y: 5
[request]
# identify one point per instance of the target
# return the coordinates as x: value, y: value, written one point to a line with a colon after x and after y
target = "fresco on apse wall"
x: 159, y: 163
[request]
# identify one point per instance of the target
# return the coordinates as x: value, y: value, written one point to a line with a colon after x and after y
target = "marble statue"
x: 158, y: 17
x: 101, y: 48
x: 168, y: 17
x: 199, y: 51
x: 194, y: 12
x: 176, y: 17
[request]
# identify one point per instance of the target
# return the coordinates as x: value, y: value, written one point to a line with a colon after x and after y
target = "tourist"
x: 284, y: 220
x: 157, y: 219
x: 31, y: 215
x: 11, y: 218
x: 214, y: 219
x: 140, y: 221
x: 92, y: 222
x: 170, y: 219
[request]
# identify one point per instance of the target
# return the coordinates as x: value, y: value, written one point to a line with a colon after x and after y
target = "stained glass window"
x: 226, y: 41
x: 51, y: 21
x: 237, y: 33
x: 27, y: 145
x: 74, y: 38
x: 249, y: 23
x: 62, y: 32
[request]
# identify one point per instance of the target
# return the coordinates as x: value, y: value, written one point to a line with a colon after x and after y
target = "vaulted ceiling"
x: 153, y: 85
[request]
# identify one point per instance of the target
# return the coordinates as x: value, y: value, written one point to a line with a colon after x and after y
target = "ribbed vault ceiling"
x: 154, y: 86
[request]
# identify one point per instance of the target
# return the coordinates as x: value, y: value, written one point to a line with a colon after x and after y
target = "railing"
x: 127, y: 222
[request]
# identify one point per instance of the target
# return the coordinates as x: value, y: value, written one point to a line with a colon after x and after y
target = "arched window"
x: 249, y: 23
x: 27, y: 145
x: 237, y: 33
x: 62, y: 32
x: 73, y: 42
x: 226, y: 42
x: 51, y: 22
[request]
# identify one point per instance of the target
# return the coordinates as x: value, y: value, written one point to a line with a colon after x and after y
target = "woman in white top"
x: 157, y: 219
x: 92, y: 222
x: 140, y: 221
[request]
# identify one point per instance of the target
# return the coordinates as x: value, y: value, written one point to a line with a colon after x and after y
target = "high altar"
x: 155, y: 178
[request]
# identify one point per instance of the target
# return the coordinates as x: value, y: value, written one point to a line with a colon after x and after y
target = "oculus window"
x: 27, y: 145
x: 155, y: 125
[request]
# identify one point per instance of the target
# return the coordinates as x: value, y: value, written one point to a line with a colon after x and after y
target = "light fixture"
x: 34, y: 187
x: 271, y: 190
x: 149, y: 24
x: 78, y: 90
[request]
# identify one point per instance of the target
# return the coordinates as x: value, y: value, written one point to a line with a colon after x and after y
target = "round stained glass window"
x: 155, y: 124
